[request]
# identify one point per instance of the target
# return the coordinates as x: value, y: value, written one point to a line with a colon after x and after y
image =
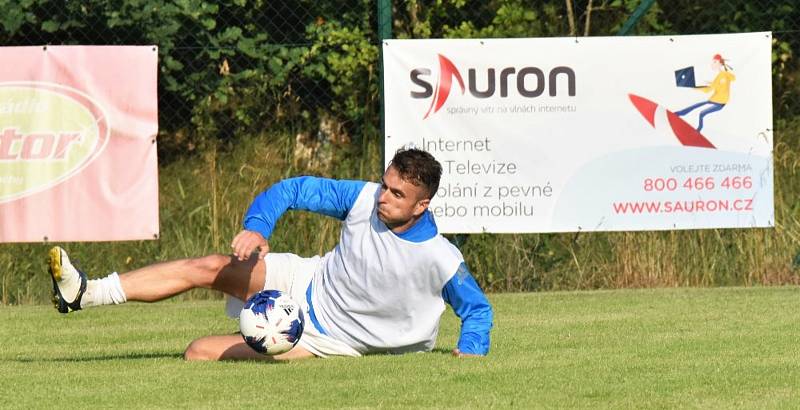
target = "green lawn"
x: 665, y: 348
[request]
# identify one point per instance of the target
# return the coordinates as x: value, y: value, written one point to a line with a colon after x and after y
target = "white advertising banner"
x: 588, y: 134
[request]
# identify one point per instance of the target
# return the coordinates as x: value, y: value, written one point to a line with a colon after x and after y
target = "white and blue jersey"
x: 378, y: 291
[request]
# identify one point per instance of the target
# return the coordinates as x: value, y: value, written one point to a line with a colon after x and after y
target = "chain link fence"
x: 305, y: 71
x: 235, y: 68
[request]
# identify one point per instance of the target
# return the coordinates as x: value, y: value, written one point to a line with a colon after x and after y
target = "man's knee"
x: 208, y: 267
x: 198, y: 350
x: 222, y: 347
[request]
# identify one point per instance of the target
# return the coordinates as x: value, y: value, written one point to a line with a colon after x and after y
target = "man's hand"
x: 457, y: 353
x: 246, y: 242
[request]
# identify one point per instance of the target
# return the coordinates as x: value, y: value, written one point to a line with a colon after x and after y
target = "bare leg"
x: 232, y: 347
x: 220, y: 272
x: 225, y: 273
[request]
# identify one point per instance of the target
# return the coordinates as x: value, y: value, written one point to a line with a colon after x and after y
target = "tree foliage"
x: 232, y: 68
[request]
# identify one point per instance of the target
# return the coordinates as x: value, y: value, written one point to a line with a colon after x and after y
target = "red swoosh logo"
x: 447, y: 70
x: 684, y: 132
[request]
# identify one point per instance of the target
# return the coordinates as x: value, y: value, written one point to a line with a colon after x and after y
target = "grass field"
x: 663, y: 348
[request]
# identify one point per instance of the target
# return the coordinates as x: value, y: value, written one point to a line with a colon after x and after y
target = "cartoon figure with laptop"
x: 720, y: 88
x: 687, y: 134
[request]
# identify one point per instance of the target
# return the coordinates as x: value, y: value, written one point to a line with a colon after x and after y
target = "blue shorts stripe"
x: 311, y: 311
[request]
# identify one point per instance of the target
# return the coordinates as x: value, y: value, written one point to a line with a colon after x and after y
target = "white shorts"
x: 292, y: 274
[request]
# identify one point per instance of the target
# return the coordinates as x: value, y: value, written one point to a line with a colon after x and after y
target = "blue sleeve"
x: 471, y: 306
x: 322, y: 195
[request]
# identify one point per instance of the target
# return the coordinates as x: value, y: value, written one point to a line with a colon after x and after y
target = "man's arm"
x: 322, y: 195
x: 471, y: 306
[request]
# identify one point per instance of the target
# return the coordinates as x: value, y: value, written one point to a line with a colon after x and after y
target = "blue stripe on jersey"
x: 471, y: 306
x: 322, y: 195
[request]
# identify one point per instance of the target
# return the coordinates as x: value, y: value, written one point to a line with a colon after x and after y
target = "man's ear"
x: 421, y: 206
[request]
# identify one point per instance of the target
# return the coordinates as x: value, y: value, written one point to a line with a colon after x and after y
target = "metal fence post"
x: 384, y: 32
x: 635, y: 17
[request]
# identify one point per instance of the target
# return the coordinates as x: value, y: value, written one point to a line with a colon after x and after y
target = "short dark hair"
x: 418, y: 167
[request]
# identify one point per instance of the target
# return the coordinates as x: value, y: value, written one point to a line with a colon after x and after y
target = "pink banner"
x: 78, y: 131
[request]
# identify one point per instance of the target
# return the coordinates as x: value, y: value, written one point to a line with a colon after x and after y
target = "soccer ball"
x: 271, y: 322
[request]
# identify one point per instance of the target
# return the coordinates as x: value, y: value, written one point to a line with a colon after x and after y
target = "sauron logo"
x: 448, y: 71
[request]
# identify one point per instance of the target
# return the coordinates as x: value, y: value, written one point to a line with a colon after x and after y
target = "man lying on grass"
x: 381, y: 289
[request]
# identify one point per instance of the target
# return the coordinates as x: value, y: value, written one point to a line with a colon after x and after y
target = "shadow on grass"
x: 139, y: 356
x: 437, y: 350
x: 442, y: 350
x: 162, y: 355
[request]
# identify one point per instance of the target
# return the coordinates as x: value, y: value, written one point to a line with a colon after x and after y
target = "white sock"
x: 105, y: 291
